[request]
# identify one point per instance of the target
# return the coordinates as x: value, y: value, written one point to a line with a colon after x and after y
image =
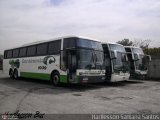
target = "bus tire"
x: 55, y: 79
x: 11, y: 73
x: 15, y: 74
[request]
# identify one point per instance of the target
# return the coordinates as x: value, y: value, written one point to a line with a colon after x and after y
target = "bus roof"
x: 112, y: 43
x: 43, y: 41
x: 131, y: 47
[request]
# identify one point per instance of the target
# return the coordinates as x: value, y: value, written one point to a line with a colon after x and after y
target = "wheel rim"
x: 55, y: 79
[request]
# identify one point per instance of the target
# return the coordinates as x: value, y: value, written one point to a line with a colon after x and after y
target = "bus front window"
x: 141, y: 63
x: 99, y: 59
x: 85, y: 59
x: 90, y: 54
x: 119, y: 63
x: 90, y: 59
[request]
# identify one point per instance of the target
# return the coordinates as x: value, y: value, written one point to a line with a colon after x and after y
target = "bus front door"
x: 71, y: 65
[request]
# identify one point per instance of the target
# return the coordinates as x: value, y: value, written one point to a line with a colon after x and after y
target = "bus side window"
x: 9, y: 54
x: 69, y: 43
x: 22, y: 52
x: 54, y: 47
x: 15, y: 53
x: 31, y: 51
x: 5, y: 54
x: 42, y: 49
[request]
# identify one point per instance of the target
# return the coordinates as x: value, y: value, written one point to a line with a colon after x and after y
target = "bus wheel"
x: 11, y: 73
x: 55, y: 79
x: 15, y: 74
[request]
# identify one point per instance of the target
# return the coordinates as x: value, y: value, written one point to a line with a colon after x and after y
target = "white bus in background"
x: 138, y: 62
x: 116, y: 62
x: 62, y: 60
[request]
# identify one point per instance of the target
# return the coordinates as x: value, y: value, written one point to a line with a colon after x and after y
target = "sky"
x: 27, y: 21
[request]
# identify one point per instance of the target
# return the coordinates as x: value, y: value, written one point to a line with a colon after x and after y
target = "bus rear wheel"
x: 55, y: 79
x: 15, y: 74
x: 11, y: 74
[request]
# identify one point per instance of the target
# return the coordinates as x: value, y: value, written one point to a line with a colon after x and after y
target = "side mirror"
x: 114, y: 54
x: 148, y: 57
x: 136, y: 56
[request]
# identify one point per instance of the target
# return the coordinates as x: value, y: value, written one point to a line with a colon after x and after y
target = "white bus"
x: 116, y: 62
x: 138, y: 62
x: 63, y: 60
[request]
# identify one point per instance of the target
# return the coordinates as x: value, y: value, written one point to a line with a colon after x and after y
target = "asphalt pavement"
x: 31, y: 95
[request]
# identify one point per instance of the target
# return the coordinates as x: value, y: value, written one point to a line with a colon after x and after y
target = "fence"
x: 154, y: 68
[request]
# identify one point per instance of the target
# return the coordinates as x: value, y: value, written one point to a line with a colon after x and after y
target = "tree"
x: 142, y: 43
x: 125, y: 42
x: 152, y: 51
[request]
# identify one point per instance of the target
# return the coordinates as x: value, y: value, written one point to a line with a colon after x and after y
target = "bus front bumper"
x: 91, y: 79
x: 116, y: 78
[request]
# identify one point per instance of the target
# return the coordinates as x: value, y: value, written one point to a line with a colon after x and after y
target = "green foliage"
x: 152, y: 51
x: 125, y: 42
x: 15, y: 63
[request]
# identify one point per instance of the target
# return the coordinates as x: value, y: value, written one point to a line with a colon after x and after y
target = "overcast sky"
x: 26, y: 21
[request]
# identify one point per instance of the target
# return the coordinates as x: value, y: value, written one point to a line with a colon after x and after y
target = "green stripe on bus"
x: 78, y: 79
x: 63, y: 78
x: 42, y: 76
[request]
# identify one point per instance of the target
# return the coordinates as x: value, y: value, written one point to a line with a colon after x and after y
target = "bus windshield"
x: 138, y: 50
x: 117, y: 47
x: 85, y: 43
x: 90, y: 59
x: 82, y: 43
x: 120, y: 63
x: 92, y: 56
x: 141, y: 64
x: 89, y: 52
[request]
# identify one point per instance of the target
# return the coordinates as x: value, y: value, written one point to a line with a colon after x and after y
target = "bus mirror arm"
x: 149, y: 58
x: 137, y: 57
x: 114, y: 54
